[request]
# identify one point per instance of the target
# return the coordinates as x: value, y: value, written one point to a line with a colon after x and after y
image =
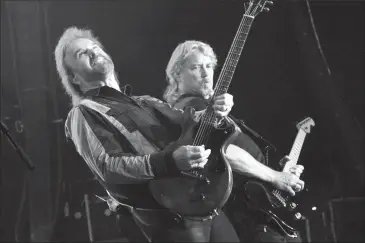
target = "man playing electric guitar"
x: 190, y: 74
x: 127, y: 142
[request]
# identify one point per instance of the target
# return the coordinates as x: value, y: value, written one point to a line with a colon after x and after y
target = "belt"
x: 115, y: 205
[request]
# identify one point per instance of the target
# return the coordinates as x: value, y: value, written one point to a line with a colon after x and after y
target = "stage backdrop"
x: 282, y: 77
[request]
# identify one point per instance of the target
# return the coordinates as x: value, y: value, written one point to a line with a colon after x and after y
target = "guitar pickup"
x: 196, y: 175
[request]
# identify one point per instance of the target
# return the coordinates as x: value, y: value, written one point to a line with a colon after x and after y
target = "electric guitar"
x: 277, y: 204
x: 200, y: 192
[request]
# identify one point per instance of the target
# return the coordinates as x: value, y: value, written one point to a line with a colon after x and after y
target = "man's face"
x: 87, y: 60
x: 196, y: 74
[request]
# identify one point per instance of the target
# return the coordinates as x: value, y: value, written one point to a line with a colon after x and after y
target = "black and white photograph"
x: 182, y: 121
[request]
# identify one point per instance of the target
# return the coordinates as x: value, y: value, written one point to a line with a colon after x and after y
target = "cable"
x: 59, y: 168
x: 18, y: 96
x: 317, y: 38
x: 325, y: 60
x: 21, y: 208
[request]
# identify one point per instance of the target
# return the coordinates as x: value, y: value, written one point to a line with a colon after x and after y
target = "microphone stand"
x: 17, y: 148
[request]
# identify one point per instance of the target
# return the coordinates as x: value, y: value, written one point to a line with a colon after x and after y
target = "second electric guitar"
x: 277, y: 204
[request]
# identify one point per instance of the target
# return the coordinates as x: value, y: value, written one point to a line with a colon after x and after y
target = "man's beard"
x: 103, y: 65
x: 207, y: 93
x: 204, y: 91
x: 100, y: 70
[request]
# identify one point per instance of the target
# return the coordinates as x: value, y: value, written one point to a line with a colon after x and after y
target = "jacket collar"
x: 108, y: 92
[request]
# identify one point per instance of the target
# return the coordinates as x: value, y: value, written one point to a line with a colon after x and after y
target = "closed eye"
x: 79, y: 53
x: 194, y: 67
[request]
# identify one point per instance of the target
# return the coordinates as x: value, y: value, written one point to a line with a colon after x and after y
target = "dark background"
x: 281, y: 79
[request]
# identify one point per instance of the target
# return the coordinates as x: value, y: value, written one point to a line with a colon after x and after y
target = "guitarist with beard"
x: 190, y: 74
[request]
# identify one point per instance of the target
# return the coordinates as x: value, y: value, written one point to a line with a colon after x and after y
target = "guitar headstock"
x: 254, y: 7
x: 306, y: 124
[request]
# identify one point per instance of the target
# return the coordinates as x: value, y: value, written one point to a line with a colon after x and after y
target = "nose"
x: 204, y: 72
x: 91, y: 53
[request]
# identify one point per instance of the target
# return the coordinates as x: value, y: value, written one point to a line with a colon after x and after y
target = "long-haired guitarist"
x: 190, y: 74
x: 128, y: 141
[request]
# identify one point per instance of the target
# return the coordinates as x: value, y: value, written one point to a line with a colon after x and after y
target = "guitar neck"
x: 295, y: 150
x: 209, y: 119
x: 226, y: 74
x: 230, y: 64
x: 233, y: 56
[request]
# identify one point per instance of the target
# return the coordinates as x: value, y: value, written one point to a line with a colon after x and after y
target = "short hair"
x: 172, y: 94
x: 69, y: 35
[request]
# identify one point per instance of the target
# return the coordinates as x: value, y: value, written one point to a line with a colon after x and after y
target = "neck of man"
x: 112, y: 82
x: 109, y: 81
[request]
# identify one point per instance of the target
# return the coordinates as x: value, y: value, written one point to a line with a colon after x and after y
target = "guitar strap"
x: 267, y: 145
x: 199, y: 103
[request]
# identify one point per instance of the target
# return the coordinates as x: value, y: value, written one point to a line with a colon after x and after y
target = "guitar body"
x: 273, y: 201
x: 188, y: 195
x: 282, y: 210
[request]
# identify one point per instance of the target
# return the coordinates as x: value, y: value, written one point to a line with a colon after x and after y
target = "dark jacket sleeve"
x: 109, y: 154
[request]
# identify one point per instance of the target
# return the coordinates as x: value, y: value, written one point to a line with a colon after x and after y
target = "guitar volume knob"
x: 292, y: 205
x: 298, y: 216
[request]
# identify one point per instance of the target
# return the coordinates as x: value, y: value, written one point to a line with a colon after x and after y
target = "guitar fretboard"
x: 210, y: 118
x: 230, y: 63
x: 295, y: 151
x: 233, y: 56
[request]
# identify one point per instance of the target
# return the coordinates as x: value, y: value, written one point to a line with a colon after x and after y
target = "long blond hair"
x: 69, y: 35
x: 172, y: 93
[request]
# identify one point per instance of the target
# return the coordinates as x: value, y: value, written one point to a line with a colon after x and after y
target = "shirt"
x: 125, y: 141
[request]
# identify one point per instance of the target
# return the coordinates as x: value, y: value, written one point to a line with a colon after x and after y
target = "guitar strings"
x: 208, y: 119
x: 219, y: 87
x: 246, y: 21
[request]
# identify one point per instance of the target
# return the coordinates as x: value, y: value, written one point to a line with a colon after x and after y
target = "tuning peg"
x: 270, y: 2
x: 266, y: 9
